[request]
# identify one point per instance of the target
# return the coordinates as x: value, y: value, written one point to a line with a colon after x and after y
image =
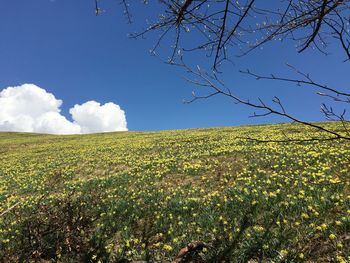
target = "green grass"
x: 119, y: 197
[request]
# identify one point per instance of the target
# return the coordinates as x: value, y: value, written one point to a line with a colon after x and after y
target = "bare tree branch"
x: 204, y: 79
x: 219, y: 27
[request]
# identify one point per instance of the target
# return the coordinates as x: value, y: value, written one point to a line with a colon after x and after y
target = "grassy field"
x: 202, y: 195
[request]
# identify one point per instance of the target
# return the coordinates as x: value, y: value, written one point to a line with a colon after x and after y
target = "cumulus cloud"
x: 29, y: 108
x: 94, y: 117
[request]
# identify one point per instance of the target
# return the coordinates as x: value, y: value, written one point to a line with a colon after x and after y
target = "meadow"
x: 201, y: 195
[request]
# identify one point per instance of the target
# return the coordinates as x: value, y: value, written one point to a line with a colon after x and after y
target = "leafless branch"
x: 306, y: 79
x: 206, y: 80
x: 219, y: 27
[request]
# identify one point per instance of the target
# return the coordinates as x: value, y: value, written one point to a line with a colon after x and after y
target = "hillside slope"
x: 119, y: 197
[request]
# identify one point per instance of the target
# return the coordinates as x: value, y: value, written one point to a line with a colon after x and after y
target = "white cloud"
x: 29, y: 108
x: 54, y: 122
x: 92, y: 117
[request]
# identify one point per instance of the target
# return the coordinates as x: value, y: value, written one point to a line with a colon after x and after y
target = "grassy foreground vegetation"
x: 120, y: 197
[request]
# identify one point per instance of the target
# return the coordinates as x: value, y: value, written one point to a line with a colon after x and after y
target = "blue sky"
x: 62, y: 47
